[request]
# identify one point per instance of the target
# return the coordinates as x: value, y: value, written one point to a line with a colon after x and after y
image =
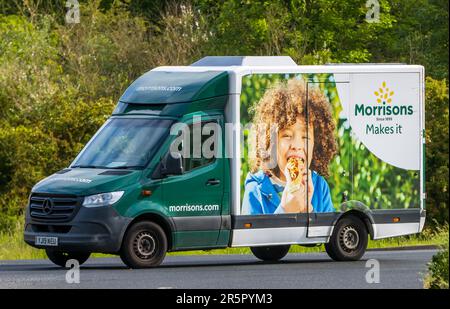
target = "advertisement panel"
x: 310, y: 147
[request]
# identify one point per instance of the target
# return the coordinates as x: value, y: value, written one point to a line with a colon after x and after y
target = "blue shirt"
x: 261, y: 196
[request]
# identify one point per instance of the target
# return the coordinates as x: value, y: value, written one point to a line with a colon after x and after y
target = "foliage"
x: 436, y: 134
x: 309, y: 31
x: 60, y: 81
x: 321, y: 31
x: 419, y: 35
x: 438, y: 268
x: 437, y: 277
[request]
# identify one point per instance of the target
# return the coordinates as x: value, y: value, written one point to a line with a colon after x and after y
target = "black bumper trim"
x: 321, y: 219
x: 404, y: 216
x: 98, y: 229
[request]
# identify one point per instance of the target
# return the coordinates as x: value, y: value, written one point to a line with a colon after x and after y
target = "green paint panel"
x: 195, y: 239
x: 86, y: 181
x: 224, y: 238
x: 206, y: 106
x: 174, y: 87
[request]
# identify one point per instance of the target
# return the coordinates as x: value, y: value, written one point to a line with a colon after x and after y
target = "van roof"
x: 160, y: 87
x: 244, y: 61
x: 243, y: 65
x: 215, y: 76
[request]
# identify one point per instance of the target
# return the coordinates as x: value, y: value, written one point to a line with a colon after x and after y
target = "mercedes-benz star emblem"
x: 47, y: 207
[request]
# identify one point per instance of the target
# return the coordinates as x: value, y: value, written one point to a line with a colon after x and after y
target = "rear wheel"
x: 144, y: 245
x: 60, y: 258
x: 272, y: 253
x: 349, y: 240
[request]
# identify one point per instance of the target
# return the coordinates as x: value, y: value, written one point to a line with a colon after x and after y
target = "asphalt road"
x: 398, y: 269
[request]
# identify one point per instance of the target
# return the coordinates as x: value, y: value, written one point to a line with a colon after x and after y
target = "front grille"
x: 53, y: 207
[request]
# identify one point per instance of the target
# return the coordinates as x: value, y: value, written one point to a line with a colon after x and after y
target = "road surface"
x: 398, y: 269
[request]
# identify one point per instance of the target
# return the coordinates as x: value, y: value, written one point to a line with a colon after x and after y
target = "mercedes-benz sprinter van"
x: 243, y: 152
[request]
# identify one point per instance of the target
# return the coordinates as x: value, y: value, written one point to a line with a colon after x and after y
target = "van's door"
x: 386, y: 115
x: 334, y: 188
x: 194, y: 199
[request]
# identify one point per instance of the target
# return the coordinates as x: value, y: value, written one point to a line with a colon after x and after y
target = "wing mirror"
x: 171, y: 164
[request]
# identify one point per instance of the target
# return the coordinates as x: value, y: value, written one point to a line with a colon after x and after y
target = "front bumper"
x: 99, y: 229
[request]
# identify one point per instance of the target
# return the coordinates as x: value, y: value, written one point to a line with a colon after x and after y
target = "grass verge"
x: 12, y: 246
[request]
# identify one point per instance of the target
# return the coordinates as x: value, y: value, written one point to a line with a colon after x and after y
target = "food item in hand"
x: 295, y: 166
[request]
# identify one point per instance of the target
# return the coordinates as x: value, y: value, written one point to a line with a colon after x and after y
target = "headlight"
x: 102, y: 199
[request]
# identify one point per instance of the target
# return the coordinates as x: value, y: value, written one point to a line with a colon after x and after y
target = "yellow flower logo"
x: 384, y: 95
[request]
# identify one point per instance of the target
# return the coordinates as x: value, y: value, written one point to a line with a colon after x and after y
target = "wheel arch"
x: 166, y: 224
x: 364, y: 215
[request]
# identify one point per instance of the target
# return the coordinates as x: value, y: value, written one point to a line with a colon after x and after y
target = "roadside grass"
x: 12, y: 246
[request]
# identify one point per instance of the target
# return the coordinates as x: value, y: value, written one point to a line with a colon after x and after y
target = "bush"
x: 438, y: 270
x: 436, y: 165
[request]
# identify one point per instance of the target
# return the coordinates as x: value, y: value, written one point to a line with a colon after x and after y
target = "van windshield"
x: 124, y: 143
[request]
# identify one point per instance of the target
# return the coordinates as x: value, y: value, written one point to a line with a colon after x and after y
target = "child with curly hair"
x: 305, y: 145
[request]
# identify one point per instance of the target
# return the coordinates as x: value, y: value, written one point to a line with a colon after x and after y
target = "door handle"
x: 213, y: 182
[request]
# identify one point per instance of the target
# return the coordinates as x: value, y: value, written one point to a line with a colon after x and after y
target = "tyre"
x: 144, y: 245
x: 348, y: 241
x: 272, y: 253
x: 60, y: 258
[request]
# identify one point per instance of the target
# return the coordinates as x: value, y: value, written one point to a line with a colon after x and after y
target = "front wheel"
x: 349, y: 240
x: 272, y: 253
x: 144, y: 245
x: 60, y: 258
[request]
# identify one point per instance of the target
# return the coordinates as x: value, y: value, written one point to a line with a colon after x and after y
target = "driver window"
x: 207, y: 153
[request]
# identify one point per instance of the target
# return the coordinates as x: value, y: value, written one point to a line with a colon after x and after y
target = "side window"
x: 205, y: 152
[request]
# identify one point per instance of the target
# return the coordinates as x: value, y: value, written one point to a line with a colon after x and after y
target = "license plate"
x: 46, y: 241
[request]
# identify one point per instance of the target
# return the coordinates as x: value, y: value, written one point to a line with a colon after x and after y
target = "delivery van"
x: 244, y: 151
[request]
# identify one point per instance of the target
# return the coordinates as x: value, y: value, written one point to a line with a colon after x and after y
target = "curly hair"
x: 280, y: 106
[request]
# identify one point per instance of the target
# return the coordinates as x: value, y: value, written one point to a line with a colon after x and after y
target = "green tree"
x: 419, y: 36
x: 436, y: 132
x: 311, y: 32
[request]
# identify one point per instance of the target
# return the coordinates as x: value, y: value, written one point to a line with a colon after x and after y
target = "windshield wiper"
x: 125, y: 167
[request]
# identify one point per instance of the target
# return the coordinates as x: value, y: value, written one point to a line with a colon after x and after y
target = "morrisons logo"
x: 369, y: 110
x: 384, y: 105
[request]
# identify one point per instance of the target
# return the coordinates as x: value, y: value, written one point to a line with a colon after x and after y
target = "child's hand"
x: 296, y: 201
